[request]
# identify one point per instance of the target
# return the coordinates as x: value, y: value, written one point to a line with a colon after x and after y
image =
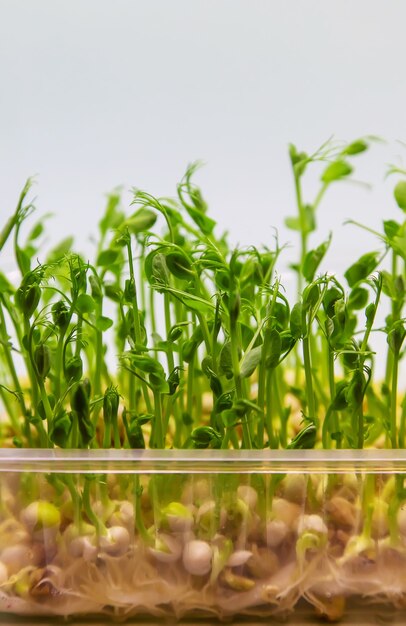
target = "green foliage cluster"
x: 234, y: 362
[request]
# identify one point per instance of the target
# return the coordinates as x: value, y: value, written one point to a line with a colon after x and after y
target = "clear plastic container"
x: 187, y: 534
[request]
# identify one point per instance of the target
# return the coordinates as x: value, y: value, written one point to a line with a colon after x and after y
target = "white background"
x: 99, y: 93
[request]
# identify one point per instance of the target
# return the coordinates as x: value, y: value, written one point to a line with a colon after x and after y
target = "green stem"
x: 395, y: 316
x: 9, y: 411
x: 59, y: 364
x: 159, y: 439
x: 30, y: 367
x: 136, y: 317
x: 190, y: 390
x: 98, y: 356
x: 402, y: 429
x: 169, y: 350
x: 332, y: 388
x: 96, y: 521
x: 79, y: 333
x: 11, y: 367
x: 262, y: 373
x: 303, y: 233
x: 311, y: 406
x: 268, y: 408
x: 246, y: 436
x: 278, y: 393
x: 139, y: 522
x: 394, y: 400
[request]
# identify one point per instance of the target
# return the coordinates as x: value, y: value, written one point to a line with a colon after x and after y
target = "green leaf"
x: 134, y: 433
x: 174, y: 380
x: 358, y: 298
x: 95, y: 287
x: 24, y: 260
x: 80, y: 398
x: 158, y: 381
x: 113, y: 292
x: 313, y: 259
x: 156, y: 269
x: 86, y: 429
x: 396, y: 336
x: 310, y: 296
x: 107, y: 257
x: 274, y: 349
x: 370, y: 312
x: 27, y: 297
x: 229, y: 418
x: 388, y: 285
x: 244, y: 406
x: 223, y: 280
x: 85, y: 303
x: 400, y: 194
x: 175, y: 332
x: 293, y: 223
x: 331, y: 296
x: 305, y: 439
x: 296, y: 321
x: 189, y: 350
x: 140, y: 221
x: 225, y: 361
x: 36, y: 231
x: 354, y: 393
x: 299, y: 160
x: 147, y: 364
x: 309, y: 222
x: 280, y: 312
x: 250, y: 362
x: 112, y: 217
x: 361, y: 269
x: 205, y: 223
x: 356, y: 147
x: 336, y: 171
x: 103, y: 323
x: 391, y: 228
x: 73, y: 369
x: 60, y: 429
x: 309, y: 219
x: 340, y: 400
x: 398, y: 243
x: 192, y: 302
x: 205, y: 437
x: 179, y: 265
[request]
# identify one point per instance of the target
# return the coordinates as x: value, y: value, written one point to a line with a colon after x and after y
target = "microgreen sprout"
x: 172, y: 338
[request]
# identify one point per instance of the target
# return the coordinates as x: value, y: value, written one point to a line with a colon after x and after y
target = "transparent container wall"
x: 196, y: 534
